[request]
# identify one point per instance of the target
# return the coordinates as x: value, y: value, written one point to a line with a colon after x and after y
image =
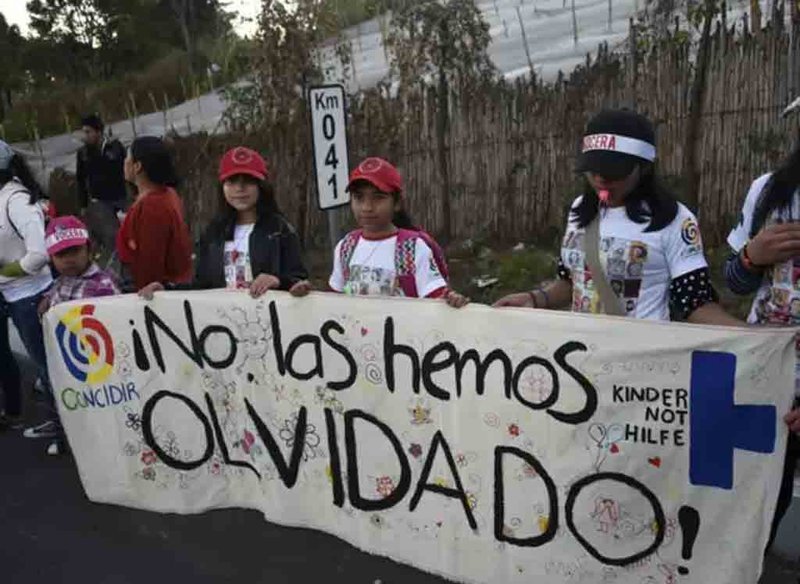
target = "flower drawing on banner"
x: 537, y: 386
x: 384, y: 486
x: 528, y: 471
x: 253, y: 334
x: 312, y: 439
x: 149, y: 473
x: 492, y: 420
x: 420, y: 414
x: 149, y: 457
x: 472, y: 500
x: 369, y: 353
x: 124, y: 369
x: 328, y: 400
x: 415, y: 450
x: 170, y: 445
x: 513, y: 430
x: 122, y: 349
x: 247, y: 441
x: 215, y: 467
x: 130, y: 449
x: 133, y: 420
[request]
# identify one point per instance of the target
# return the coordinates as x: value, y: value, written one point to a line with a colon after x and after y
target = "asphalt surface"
x: 51, y: 533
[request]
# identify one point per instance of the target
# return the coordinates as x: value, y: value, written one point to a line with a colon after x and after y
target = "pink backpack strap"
x: 346, y: 250
x: 438, y: 254
x: 405, y: 260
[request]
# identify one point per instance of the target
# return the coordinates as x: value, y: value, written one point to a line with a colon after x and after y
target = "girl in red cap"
x: 250, y: 245
x: 387, y: 255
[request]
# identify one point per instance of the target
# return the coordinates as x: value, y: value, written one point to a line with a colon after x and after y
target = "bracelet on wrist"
x: 747, y: 262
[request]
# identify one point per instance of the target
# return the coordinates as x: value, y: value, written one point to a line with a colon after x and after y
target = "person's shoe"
x: 56, y: 448
x: 49, y: 429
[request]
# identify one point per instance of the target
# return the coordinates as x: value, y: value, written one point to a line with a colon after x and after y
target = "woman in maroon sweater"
x: 153, y: 241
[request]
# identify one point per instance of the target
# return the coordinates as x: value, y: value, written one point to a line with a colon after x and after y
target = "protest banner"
x: 484, y: 445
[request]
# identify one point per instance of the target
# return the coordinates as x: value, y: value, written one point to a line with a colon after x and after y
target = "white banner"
x: 484, y: 445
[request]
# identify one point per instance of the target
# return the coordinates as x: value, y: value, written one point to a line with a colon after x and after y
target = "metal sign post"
x: 329, y: 140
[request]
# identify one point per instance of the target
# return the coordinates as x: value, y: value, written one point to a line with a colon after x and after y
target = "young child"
x: 250, y: 245
x: 67, y: 241
x: 387, y: 255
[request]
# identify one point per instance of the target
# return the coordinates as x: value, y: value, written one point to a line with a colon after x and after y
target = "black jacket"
x: 274, y: 249
x: 100, y: 172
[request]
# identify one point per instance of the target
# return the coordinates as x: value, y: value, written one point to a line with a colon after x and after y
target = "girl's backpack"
x: 404, y: 257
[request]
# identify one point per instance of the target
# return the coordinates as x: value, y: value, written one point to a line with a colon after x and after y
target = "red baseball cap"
x: 241, y: 160
x: 65, y: 232
x: 379, y: 173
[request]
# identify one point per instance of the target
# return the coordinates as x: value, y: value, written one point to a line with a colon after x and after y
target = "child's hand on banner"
x: 263, y: 283
x: 455, y: 299
x: 518, y: 300
x: 148, y: 291
x: 301, y: 288
x: 792, y: 420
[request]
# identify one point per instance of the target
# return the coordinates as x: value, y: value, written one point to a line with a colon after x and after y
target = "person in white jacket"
x: 24, y: 277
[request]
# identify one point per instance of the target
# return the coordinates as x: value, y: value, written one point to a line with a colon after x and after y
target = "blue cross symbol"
x: 719, y: 426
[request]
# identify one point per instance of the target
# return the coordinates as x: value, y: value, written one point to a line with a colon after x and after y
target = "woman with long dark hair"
x: 765, y: 259
x: 630, y: 249
x: 250, y: 245
x: 153, y: 242
x: 24, y: 278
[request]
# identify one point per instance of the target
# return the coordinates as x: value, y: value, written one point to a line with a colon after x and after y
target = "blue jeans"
x: 25, y: 316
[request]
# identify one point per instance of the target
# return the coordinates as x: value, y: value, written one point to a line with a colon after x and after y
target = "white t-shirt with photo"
x: 238, y: 271
x: 639, y: 265
x: 373, y: 273
x: 777, y: 301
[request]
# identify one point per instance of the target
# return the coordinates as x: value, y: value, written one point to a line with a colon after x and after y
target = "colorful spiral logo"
x: 690, y: 232
x: 86, y: 346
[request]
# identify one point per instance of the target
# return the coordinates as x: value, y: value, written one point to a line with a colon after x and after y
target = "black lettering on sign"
x: 336, y: 464
x: 589, y: 409
x: 482, y: 368
x: 325, y: 333
x: 223, y: 448
x: 430, y: 366
x: 190, y: 349
x: 233, y: 347
x: 275, y: 323
x: 353, y: 486
x: 390, y: 350
x: 194, y: 349
x: 150, y: 440
x: 423, y: 485
x: 499, y: 499
x: 139, y: 354
x: 288, y: 472
x: 317, y: 369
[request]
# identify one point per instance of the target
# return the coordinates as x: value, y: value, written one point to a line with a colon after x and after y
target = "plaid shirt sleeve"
x: 101, y: 285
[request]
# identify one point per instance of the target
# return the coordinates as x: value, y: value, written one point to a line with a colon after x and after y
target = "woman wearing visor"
x: 630, y: 248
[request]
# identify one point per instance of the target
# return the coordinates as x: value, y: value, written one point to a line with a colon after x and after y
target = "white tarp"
x: 484, y: 445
